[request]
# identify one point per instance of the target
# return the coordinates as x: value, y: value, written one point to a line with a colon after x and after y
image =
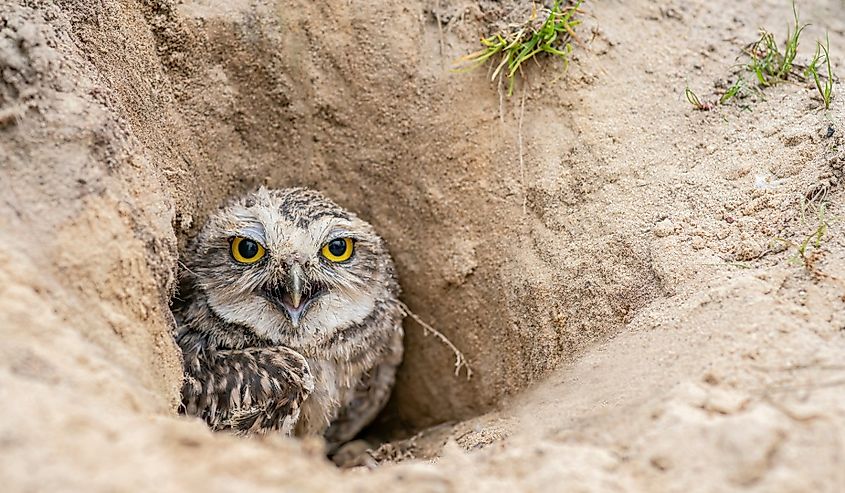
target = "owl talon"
x: 264, y: 392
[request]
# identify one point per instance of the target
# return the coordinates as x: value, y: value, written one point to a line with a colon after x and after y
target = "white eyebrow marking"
x: 321, y: 230
x: 255, y: 232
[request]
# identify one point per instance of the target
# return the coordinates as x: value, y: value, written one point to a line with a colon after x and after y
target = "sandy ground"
x: 632, y: 322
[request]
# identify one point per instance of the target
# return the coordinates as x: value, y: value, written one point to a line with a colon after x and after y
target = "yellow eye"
x: 246, y: 251
x: 338, y: 250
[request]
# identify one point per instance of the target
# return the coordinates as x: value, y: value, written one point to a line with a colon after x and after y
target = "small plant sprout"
x: 736, y: 89
x: 807, y: 250
x: 822, y: 56
x: 512, y: 49
x: 696, y: 103
x: 814, y: 239
x: 733, y: 91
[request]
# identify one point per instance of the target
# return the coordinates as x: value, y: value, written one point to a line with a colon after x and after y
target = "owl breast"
x: 329, y: 396
x: 353, y: 372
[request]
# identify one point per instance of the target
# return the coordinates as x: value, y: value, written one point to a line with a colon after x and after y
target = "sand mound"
x: 631, y: 323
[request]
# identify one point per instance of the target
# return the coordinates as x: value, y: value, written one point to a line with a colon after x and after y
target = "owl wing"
x: 247, y: 390
x: 368, y: 398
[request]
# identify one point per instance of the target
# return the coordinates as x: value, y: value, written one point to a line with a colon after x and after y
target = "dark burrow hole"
x: 388, y: 437
x: 596, y: 294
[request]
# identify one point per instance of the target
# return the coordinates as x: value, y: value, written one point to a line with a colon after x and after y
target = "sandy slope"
x: 629, y: 326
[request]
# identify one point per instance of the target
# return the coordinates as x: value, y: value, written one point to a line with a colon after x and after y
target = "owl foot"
x: 253, y: 390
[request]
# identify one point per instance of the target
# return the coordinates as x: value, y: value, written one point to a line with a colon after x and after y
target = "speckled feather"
x: 248, y: 367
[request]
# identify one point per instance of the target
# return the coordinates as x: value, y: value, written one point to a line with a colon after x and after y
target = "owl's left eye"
x: 338, y: 250
x: 246, y: 251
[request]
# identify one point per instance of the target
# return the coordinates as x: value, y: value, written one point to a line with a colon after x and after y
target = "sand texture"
x: 620, y: 270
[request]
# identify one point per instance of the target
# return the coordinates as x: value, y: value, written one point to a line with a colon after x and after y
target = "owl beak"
x: 296, y: 278
x: 297, y: 285
x: 295, y: 295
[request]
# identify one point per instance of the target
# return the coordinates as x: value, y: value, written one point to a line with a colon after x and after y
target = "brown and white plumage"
x: 300, y: 340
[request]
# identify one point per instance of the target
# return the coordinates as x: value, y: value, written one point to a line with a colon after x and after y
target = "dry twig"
x: 460, y: 359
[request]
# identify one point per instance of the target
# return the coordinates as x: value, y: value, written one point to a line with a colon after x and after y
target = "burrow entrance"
x: 512, y: 268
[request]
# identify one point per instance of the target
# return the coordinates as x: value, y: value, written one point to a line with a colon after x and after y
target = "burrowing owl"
x: 288, y: 318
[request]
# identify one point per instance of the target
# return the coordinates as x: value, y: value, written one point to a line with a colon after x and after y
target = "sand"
x: 633, y: 317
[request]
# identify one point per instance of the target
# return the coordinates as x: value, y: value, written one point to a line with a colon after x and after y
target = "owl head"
x: 290, y: 266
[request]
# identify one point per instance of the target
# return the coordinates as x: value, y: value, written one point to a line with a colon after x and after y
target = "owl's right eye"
x: 246, y: 251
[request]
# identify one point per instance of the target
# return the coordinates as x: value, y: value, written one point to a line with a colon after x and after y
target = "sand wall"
x: 124, y: 124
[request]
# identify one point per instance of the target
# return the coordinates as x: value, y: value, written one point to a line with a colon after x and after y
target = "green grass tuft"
x: 767, y: 61
x: 822, y: 56
x: 768, y: 64
x: 514, y: 48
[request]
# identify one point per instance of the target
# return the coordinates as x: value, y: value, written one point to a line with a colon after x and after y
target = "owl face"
x: 291, y: 266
